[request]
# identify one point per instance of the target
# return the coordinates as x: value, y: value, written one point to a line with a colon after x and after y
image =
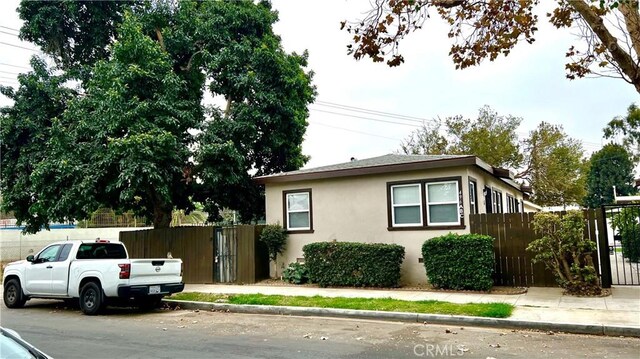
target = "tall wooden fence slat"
x: 195, y: 246
x: 512, y: 233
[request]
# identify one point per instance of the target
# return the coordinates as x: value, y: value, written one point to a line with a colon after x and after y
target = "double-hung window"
x: 497, y: 201
x: 425, y: 204
x: 406, y: 203
x: 442, y: 203
x: 473, y: 197
x: 298, y: 216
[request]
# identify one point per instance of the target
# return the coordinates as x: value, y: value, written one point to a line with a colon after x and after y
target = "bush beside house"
x: 275, y: 239
x: 354, y: 264
x: 564, y: 250
x: 459, y: 262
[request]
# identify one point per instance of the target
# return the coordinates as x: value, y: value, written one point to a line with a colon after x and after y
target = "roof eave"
x: 392, y: 168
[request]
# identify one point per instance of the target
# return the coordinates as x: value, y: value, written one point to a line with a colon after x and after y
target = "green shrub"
x: 354, y: 264
x: 565, y: 251
x: 275, y: 238
x: 296, y: 273
x: 459, y: 262
x: 626, y: 222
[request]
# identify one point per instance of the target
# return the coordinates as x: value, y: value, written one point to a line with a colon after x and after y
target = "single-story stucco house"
x: 402, y: 199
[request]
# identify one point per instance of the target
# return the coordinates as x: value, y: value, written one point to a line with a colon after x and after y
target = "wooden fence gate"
x: 513, y: 232
x: 209, y: 254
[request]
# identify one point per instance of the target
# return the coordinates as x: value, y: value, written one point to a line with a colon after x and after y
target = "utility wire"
x: 9, y: 28
x: 354, y: 131
x: 372, y: 112
x: 366, y: 118
x: 16, y: 66
x: 9, y: 73
x: 9, y: 33
x: 18, y: 46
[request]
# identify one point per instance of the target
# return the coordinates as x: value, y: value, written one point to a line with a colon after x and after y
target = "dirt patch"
x: 499, y: 290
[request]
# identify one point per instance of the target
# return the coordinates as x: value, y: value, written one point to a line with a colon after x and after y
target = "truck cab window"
x: 49, y: 254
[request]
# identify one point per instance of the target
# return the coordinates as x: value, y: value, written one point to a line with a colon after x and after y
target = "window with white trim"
x: 406, y: 205
x: 298, y: 210
x: 443, y: 203
x: 473, y: 197
x: 497, y: 201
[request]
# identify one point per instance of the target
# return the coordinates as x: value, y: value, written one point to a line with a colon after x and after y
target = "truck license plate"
x: 154, y: 289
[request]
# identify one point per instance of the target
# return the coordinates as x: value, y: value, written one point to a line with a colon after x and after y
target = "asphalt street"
x: 124, y: 332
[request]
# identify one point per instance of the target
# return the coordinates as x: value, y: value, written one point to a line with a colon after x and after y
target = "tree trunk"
x: 161, y: 216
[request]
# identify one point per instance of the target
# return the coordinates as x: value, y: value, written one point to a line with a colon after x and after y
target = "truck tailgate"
x: 155, y: 271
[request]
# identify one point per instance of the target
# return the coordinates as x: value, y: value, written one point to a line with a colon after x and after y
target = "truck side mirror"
x: 30, y: 258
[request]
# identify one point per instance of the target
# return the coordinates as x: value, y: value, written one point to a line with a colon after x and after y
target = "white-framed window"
x: 473, y: 197
x: 512, y: 204
x: 497, y: 201
x: 406, y: 205
x: 443, y: 203
x: 298, y: 216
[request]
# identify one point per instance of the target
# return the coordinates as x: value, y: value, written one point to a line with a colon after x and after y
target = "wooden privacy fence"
x: 513, y: 232
x: 242, y: 259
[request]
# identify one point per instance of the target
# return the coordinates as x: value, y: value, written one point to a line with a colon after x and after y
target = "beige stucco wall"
x: 354, y: 209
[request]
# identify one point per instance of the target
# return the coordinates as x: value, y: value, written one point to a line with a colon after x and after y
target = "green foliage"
x: 611, y: 166
x: 275, y: 238
x: 135, y: 135
x: 627, y: 223
x: 354, y: 264
x: 490, y: 136
x: 25, y: 129
x: 554, y: 166
x: 459, y: 262
x: 629, y: 127
x: 296, y: 273
x: 564, y: 250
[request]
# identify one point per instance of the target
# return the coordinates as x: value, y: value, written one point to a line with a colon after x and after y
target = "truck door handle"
x: 49, y: 267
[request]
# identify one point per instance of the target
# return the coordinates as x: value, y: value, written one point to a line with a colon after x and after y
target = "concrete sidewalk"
x: 545, y: 305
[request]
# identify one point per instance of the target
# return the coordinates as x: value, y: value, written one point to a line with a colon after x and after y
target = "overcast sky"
x: 529, y: 83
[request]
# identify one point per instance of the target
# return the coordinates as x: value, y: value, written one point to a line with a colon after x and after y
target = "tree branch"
x: 622, y: 58
x: 632, y: 20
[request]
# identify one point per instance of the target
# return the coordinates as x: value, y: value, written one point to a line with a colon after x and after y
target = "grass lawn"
x: 491, y: 310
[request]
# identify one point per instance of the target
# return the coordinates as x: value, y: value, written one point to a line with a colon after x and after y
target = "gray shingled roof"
x: 390, y: 159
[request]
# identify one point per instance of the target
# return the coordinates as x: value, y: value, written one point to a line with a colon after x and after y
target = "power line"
x: 366, y: 118
x: 354, y: 131
x: 9, y: 28
x: 18, y: 46
x: 9, y: 33
x: 16, y: 66
x: 9, y: 73
x: 372, y: 112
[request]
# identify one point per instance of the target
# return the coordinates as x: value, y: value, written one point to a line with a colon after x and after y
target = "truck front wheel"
x: 91, y: 300
x: 13, y: 296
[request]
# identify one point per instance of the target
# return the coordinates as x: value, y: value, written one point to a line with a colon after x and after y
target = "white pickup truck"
x: 96, y: 272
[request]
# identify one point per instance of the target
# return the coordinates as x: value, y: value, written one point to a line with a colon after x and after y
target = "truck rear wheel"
x: 13, y: 296
x: 91, y: 299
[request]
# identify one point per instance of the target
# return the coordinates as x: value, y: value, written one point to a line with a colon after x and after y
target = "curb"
x: 458, y: 320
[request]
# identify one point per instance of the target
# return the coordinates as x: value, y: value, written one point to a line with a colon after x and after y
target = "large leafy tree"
x: 490, y: 136
x: 611, y: 166
x: 138, y: 137
x: 548, y: 159
x: 628, y: 127
x: 608, y: 32
x: 554, y: 166
x: 25, y: 130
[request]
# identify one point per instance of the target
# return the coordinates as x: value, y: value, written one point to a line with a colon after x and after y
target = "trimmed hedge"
x: 459, y: 262
x: 354, y: 264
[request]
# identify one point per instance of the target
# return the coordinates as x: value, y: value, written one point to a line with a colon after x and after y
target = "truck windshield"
x: 101, y: 251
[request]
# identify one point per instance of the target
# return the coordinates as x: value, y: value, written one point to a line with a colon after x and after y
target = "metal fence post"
x: 603, y: 250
